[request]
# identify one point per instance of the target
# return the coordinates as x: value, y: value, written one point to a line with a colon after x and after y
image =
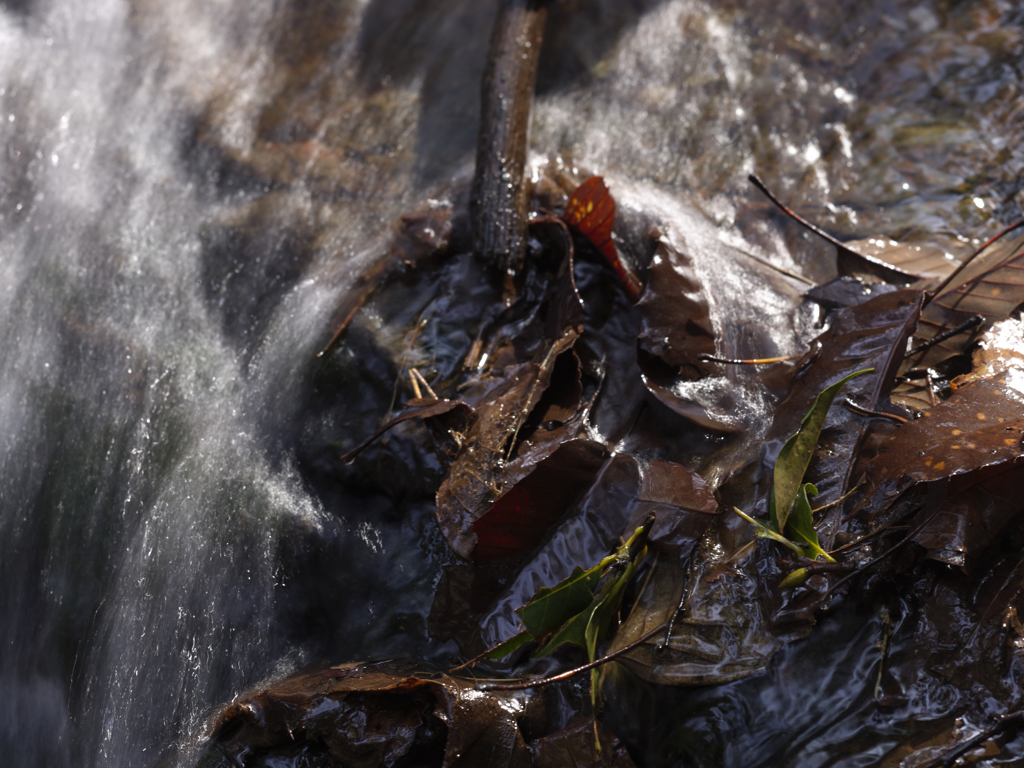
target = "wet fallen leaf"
x: 520, y: 518
x: 991, y: 285
x: 476, y: 478
x: 591, y: 211
x: 377, y: 714
x: 682, y: 503
x: 573, y: 747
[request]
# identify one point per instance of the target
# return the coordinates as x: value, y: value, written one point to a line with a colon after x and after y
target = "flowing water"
x: 187, y: 190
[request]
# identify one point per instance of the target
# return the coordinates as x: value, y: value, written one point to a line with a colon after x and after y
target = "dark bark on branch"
x: 499, y: 195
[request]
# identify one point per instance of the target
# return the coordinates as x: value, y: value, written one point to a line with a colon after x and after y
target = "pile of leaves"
x: 594, y: 438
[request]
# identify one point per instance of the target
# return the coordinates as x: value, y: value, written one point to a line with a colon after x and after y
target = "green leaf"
x: 552, y: 607
x: 765, y: 532
x: 795, y: 455
x: 514, y: 643
x: 800, y: 526
x: 794, y: 579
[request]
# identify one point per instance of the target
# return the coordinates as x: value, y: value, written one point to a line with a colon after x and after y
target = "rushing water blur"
x: 187, y: 189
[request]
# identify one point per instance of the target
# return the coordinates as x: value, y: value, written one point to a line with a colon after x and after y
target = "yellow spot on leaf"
x: 1010, y: 441
x: 982, y: 417
x: 956, y: 432
x: 940, y: 466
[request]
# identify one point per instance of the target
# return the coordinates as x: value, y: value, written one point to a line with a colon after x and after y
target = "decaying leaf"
x: 377, y: 714
x: 574, y: 747
x: 680, y: 329
x: 476, y: 478
x: 520, y: 518
x: 989, y: 286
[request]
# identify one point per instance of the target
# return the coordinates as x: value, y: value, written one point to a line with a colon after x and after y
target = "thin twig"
x: 754, y: 361
x: 796, y: 216
x: 523, y: 685
x: 882, y: 556
x: 776, y: 267
x: 964, y: 326
x: 414, y: 372
x: 837, y: 502
x: 862, y: 411
x: 951, y: 755
x: 945, y: 283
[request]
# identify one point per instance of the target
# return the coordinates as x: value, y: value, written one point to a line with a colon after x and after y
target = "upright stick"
x: 498, y: 201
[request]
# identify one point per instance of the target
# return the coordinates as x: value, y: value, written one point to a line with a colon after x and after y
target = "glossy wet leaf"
x: 681, y: 501
x: 591, y: 211
x: 475, y: 480
x: 796, y: 453
x: 800, y: 525
x: 519, y: 519
x: 979, y: 427
x: 679, y: 328
x: 991, y: 285
x: 573, y: 747
x: 376, y: 714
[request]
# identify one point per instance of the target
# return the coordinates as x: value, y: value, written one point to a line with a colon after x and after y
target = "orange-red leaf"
x: 591, y: 212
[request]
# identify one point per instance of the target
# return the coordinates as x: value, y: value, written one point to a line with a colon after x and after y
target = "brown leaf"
x: 919, y: 259
x: 522, y: 516
x: 683, y: 505
x: 979, y: 426
x: 477, y: 476
x: 990, y: 285
x: 682, y: 319
x: 376, y: 714
x: 573, y: 747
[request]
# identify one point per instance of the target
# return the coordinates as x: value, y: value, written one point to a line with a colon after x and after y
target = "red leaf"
x: 591, y: 212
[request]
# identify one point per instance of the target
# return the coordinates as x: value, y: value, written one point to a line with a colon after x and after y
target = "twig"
x: 837, y: 502
x: 882, y: 556
x: 417, y: 376
x: 498, y: 199
x: 776, y: 267
x: 964, y: 326
x: 796, y: 216
x: 754, y: 361
x: 951, y: 755
x: 880, y: 268
x: 862, y: 411
x: 522, y: 686
x: 945, y: 283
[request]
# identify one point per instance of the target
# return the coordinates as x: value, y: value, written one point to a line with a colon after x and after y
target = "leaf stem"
x: 524, y: 684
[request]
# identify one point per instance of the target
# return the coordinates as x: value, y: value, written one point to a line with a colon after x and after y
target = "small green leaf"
x: 795, y: 455
x: 800, y: 526
x: 552, y: 607
x: 794, y: 579
x: 766, y: 532
x: 514, y: 643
